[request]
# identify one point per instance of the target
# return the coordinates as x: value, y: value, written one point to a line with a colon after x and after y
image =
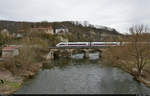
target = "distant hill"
x: 76, y: 29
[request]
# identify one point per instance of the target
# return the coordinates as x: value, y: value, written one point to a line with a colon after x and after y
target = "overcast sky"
x: 118, y: 14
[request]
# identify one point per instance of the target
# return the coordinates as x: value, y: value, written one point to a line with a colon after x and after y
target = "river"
x: 81, y: 76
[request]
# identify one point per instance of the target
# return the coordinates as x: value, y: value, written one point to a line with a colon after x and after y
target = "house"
x: 10, y: 51
x: 47, y: 30
x: 61, y: 30
x: 17, y: 35
x: 5, y: 31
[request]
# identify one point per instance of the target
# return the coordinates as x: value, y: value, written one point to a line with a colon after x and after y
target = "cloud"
x: 119, y: 14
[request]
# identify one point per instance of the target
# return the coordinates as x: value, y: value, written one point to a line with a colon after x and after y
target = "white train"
x: 85, y: 44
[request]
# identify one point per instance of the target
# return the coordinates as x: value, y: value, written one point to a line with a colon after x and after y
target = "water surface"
x: 81, y: 76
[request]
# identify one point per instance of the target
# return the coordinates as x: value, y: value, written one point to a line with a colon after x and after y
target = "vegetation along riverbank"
x: 134, y: 57
x: 14, y: 70
x: 10, y: 83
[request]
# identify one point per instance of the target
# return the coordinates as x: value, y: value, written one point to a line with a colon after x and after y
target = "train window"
x: 76, y: 44
x: 62, y: 44
x: 98, y: 44
x: 104, y: 44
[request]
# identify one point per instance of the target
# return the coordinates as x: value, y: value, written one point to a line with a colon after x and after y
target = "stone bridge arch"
x: 67, y: 52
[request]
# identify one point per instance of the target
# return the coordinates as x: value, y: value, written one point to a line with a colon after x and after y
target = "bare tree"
x: 135, y: 53
x: 139, y: 47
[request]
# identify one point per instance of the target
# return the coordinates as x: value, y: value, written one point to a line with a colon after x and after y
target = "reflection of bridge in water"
x: 66, y: 62
x: 67, y: 51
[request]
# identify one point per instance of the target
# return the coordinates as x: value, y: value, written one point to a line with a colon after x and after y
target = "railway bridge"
x: 67, y: 51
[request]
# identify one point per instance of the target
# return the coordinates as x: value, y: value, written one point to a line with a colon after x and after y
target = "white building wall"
x: 10, y: 53
x: 57, y: 31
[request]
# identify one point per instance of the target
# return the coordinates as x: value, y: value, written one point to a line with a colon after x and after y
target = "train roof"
x: 73, y: 42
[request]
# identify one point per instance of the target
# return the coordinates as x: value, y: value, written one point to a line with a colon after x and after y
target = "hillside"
x: 77, y: 31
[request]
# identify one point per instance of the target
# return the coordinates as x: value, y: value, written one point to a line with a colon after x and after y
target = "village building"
x: 10, y: 51
x: 5, y: 31
x: 18, y: 34
x: 47, y: 30
x: 61, y: 30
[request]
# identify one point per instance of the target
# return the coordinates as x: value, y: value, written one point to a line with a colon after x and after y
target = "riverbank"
x: 12, y: 83
x: 121, y: 57
x: 145, y: 78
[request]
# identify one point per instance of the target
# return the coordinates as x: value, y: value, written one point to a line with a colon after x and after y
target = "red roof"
x: 9, y: 48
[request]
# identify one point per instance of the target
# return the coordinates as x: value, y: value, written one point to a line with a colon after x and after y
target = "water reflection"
x: 81, y: 76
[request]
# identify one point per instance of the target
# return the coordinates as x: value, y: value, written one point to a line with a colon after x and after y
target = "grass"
x: 10, y: 84
x: 9, y: 87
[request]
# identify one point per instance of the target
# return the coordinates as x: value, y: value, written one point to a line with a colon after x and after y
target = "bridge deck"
x: 75, y: 47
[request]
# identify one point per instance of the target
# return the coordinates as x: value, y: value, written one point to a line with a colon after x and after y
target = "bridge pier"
x: 50, y: 55
x: 86, y: 53
x: 69, y: 51
x: 100, y: 54
x: 70, y: 55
